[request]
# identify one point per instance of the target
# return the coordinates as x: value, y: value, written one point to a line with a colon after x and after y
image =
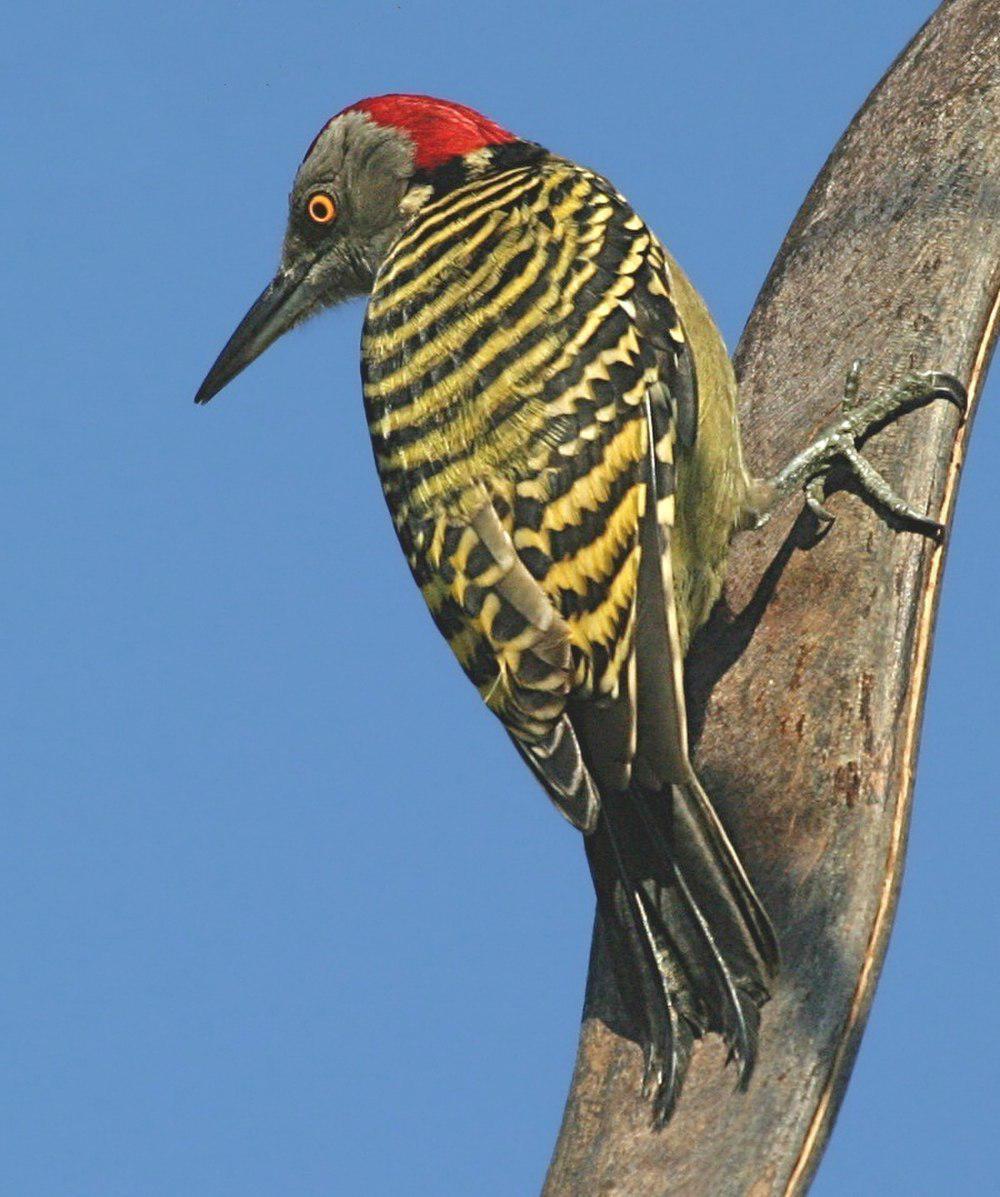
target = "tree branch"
x: 809, y: 698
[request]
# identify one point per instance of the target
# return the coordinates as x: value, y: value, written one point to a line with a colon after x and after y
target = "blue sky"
x: 280, y: 910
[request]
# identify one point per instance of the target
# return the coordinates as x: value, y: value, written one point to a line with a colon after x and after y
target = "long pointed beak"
x: 282, y: 303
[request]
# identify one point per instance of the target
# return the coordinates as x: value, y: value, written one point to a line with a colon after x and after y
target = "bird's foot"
x: 838, y: 445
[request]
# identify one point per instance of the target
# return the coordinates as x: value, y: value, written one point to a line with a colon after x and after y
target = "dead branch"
x: 810, y: 695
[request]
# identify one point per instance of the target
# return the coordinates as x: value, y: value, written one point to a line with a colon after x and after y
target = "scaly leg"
x: 839, y: 444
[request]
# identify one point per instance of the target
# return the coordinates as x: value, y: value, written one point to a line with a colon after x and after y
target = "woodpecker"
x: 553, y: 417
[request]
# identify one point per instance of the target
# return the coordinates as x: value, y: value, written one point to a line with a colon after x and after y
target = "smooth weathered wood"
x: 810, y: 695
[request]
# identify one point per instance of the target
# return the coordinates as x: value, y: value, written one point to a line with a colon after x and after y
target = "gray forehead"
x: 352, y: 145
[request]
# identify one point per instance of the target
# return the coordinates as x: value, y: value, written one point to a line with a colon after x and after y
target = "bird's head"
x: 364, y: 177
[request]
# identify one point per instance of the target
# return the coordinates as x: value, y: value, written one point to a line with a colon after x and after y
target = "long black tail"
x: 691, y: 945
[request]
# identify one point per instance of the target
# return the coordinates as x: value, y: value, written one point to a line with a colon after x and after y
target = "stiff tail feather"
x: 691, y: 946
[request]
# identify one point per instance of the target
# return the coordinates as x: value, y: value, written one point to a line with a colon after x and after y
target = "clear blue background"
x: 280, y: 911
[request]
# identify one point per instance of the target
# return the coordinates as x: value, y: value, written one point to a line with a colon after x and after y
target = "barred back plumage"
x: 528, y: 385
x: 502, y: 359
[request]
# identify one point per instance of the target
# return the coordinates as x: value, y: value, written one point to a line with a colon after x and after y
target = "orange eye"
x: 321, y: 208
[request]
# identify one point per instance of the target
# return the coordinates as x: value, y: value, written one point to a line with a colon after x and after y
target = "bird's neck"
x: 430, y: 185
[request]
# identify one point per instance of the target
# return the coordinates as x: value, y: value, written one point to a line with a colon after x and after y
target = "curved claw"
x: 814, y: 490
x: 947, y: 386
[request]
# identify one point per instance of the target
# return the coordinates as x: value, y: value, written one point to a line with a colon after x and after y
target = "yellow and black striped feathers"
x: 521, y: 354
